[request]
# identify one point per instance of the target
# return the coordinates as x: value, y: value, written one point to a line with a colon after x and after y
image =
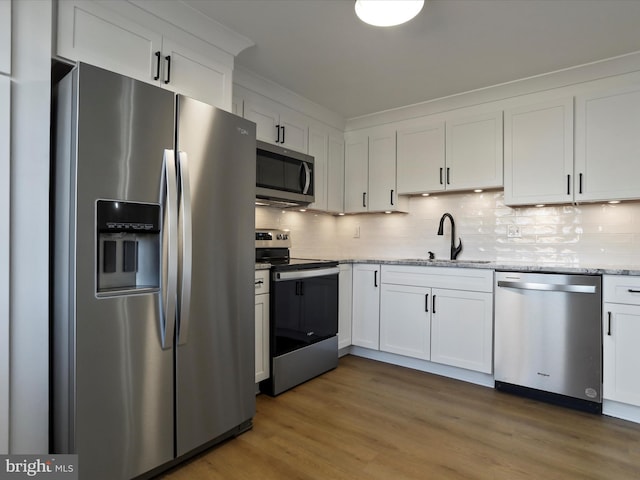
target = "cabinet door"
x: 607, y: 163
x: 538, y: 156
x: 196, y: 75
x: 365, y: 331
x: 474, y: 152
x: 237, y: 106
x: 318, y: 149
x: 335, y: 174
x: 621, y: 356
x: 5, y: 36
x: 264, y: 114
x: 345, y: 305
x: 294, y: 130
x: 356, y: 173
x: 405, y: 326
x: 382, y: 171
x: 420, y: 162
x: 90, y: 33
x: 462, y: 329
x: 262, y: 337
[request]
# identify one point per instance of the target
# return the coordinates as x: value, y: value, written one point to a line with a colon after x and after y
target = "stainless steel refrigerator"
x: 153, y: 271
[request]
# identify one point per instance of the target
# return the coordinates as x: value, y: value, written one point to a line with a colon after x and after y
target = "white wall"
x: 5, y: 92
x: 594, y: 234
x: 29, y: 269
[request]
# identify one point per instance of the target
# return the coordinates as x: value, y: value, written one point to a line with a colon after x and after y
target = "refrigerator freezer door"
x: 123, y: 383
x: 215, y: 361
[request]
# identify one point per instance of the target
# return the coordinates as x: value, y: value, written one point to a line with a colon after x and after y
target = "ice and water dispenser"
x: 128, y: 240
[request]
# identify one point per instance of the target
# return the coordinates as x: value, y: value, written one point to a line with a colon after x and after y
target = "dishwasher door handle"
x: 548, y: 287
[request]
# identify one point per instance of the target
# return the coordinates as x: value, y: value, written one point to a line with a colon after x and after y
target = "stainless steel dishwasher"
x: 548, y: 337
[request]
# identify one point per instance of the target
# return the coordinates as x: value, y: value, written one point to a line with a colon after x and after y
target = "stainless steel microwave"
x: 283, y: 177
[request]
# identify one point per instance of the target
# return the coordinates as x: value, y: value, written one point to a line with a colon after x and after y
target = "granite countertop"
x: 507, y: 265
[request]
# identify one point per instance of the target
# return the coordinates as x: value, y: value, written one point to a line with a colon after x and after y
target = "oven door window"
x: 305, y: 311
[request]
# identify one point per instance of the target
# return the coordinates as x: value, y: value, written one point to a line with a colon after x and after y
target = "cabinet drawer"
x: 262, y: 281
x: 473, y: 279
x: 621, y: 289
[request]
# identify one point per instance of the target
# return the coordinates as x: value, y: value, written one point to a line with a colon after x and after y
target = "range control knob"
x: 280, y: 236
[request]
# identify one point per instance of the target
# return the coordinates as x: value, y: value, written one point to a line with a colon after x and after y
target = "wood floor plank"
x: 370, y: 420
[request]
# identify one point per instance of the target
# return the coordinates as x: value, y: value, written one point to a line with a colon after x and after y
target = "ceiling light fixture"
x: 387, y: 13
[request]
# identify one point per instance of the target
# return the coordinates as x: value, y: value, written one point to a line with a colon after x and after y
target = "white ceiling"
x: 322, y: 51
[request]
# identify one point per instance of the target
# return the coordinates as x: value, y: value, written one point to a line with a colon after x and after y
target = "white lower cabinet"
x: 345, y: 282
x: 462, y: 329
x: 365, y: 328
x: 621, y: 337
x: 405, y: 325
x: 444, y: 315
x: 262, y: 325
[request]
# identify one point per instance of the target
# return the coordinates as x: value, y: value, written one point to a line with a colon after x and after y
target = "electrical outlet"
x: 513, y: 231
x: 356, y: 232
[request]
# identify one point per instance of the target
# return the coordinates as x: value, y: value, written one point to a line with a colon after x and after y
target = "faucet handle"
x: 455, y: 251
x: 432, y: 255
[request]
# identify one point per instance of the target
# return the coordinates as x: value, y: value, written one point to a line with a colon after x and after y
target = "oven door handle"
x: 308, y: 273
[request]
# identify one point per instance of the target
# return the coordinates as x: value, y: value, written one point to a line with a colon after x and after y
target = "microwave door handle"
x: 306, y: 180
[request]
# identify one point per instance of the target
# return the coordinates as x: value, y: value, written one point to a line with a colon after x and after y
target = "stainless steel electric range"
x: 303, y: 314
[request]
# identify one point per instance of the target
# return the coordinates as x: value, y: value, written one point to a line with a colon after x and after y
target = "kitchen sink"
x: 443, y: 260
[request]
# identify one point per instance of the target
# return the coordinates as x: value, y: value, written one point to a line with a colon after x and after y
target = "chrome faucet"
x: 455, y: 251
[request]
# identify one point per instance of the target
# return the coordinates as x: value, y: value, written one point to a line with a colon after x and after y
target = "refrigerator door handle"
x: 186, y: 249
x: 169, y: 203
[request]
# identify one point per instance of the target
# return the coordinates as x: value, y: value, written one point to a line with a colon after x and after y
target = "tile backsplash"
x: 583, y: 235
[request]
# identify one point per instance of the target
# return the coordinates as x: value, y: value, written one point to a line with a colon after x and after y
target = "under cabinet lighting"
x: 425, y: 194
x: 478, y: 190
x: 341, y: 214
x: 387, y: 211
x: 540, y: 205
x: 613, y: 202
x: 303, y: 209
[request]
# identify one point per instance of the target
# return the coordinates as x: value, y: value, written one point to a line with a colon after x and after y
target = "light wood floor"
x: 369, y: 420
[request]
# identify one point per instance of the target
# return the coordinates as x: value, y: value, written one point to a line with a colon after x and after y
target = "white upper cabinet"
x: 277, y: 124
x: 461, y: 153
x: 91, y: 32
x: 356, y: 172
x: 474, y: 152
x: 237, y: 105
x: 319, y: 150
x: 335, y: 174
x: 607, y: 162
x: 193, y: 74
x: 370, y: 172
x: 327, y: 150
x: 5, y: 36
x: 383, y: 192
x: 538, y: 153
x: 421, y: 158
